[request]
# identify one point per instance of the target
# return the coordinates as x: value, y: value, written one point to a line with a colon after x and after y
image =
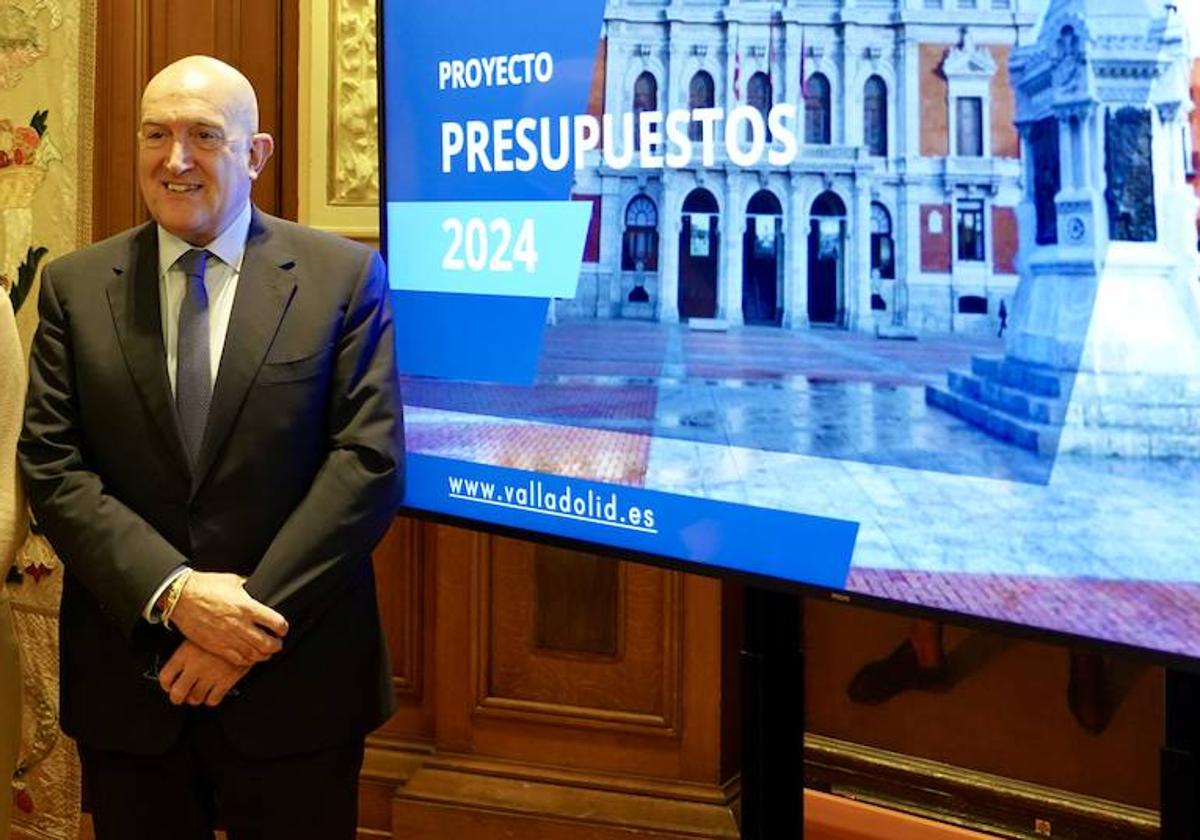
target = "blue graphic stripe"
x: 780, y: 544
x: 511, y: 248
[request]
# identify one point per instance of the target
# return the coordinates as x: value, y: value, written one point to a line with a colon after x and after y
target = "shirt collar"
x: 228, y: 246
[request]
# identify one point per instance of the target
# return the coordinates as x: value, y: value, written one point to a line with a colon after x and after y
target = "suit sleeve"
x: 360, y: 485
x: 115, y: 553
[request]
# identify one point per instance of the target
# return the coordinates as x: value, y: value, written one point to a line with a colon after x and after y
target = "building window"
x: 816, y: 111
x: 967, y: 4
x: 1001, y: 5
x: 1129, y: 167
x: 970, y: 231
x: 758, y: 94
x: 972, y: 305
x: 645, y: 98
x: 933, y: 4
x: 875, y: 134
x: 639, y: 249
x: 700, y: 95
x: 970, y: 126
x: 883, y: 246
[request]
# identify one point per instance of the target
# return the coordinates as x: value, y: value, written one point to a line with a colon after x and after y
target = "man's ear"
x: 261, y: 147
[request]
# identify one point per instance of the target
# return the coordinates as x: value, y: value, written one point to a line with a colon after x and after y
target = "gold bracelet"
x: 171, y: 597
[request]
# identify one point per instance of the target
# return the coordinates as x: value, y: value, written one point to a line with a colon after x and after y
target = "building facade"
x: 897, y: 213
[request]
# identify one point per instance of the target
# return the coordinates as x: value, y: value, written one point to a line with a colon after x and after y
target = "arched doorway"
x: 826, y: 263
x: 762, y: 260
x: 699, y: 252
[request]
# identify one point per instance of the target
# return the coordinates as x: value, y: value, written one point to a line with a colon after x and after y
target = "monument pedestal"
x: 1103, y: 352
x: 1111, y: 368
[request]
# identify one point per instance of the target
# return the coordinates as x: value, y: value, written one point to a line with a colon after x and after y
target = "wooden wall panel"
x: 406, y: 584
x: 603, y: 744
x: 122, y: 58
x: 636, y: 688
x: 658, y: 709
x: 578, y: 605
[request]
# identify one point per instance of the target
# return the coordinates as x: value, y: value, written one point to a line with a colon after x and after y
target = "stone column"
x: 676, y: 93
x: 612, y: 231
x: 858, y: 241
x: 729, y: 270
x: 669, y: 224
x: 1176, y: 200
x: 795, y: 313
x: 1026, y: 209
x: 908, y: 93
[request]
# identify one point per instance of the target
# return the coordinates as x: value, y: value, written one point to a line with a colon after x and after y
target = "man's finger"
x: 266, y: 617
x: 265, y: 645
x: 182, y: 687
x: 223, y: 648
x: 239, y: 656
x: 218, y: 692
x: 199, y: 691
x: 170, y: 672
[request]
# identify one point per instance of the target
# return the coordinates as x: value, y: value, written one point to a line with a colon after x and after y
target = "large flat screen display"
x: 897, y: 298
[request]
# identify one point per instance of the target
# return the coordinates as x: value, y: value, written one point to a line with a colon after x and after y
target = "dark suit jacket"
x: 299, y: 475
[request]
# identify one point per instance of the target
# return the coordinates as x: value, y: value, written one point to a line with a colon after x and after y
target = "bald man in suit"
x: 213, y: 444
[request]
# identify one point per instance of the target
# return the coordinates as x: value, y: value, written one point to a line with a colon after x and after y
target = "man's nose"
x: 179, y: 156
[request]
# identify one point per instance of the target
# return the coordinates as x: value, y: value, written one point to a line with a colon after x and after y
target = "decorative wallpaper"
x: 47, y: 50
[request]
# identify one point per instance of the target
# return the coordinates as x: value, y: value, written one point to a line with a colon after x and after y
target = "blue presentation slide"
x: 713, y: 284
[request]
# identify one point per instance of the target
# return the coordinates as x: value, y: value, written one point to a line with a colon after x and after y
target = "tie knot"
x: 192, y: 262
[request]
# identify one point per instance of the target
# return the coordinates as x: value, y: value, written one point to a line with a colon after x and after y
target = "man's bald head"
x: 206, y: 76
x: 200, y: 148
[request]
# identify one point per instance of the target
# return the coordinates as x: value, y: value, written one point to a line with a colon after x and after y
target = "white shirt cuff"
x: 151, y: 614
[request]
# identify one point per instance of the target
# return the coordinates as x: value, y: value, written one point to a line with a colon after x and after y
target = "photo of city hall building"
x: 899, y: 210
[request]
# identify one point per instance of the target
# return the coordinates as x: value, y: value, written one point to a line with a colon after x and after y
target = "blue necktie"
x: 193, y: 373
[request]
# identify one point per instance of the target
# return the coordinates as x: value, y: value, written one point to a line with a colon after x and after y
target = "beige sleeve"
x: 13, y: 516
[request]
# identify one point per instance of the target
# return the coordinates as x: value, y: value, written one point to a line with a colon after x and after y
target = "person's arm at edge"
x: 13, y: 517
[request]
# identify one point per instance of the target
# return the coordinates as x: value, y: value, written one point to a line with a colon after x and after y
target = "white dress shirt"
x: 220, y: 281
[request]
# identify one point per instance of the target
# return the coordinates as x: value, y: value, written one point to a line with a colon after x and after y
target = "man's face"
x: 197, y: 154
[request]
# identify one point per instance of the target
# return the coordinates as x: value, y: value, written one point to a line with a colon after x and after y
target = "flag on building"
x: 771, y: 55
x: 737, y: 71
x: 803, y: 74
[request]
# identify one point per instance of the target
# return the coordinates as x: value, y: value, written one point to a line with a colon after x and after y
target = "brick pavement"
x: 819, y: 392
x: 1153, y: 615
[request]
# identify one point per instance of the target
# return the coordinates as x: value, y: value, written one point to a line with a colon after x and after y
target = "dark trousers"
x: 203, y: 782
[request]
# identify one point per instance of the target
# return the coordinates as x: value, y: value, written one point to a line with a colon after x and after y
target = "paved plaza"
x: 826, y: 393
x: 834, y: 424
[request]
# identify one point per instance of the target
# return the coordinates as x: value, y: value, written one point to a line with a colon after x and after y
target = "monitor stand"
x: 772, y: 670
x: 1180, y: 765
x: 772, y: 666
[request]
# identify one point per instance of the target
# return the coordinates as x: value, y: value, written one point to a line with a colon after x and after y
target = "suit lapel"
x: 133, y: 297
x: 265, y: 288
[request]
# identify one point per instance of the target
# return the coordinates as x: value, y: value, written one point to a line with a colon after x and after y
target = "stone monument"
x: 1102, y: 356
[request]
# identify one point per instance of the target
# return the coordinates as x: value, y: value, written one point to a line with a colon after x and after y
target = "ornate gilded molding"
x: 353, y: 138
